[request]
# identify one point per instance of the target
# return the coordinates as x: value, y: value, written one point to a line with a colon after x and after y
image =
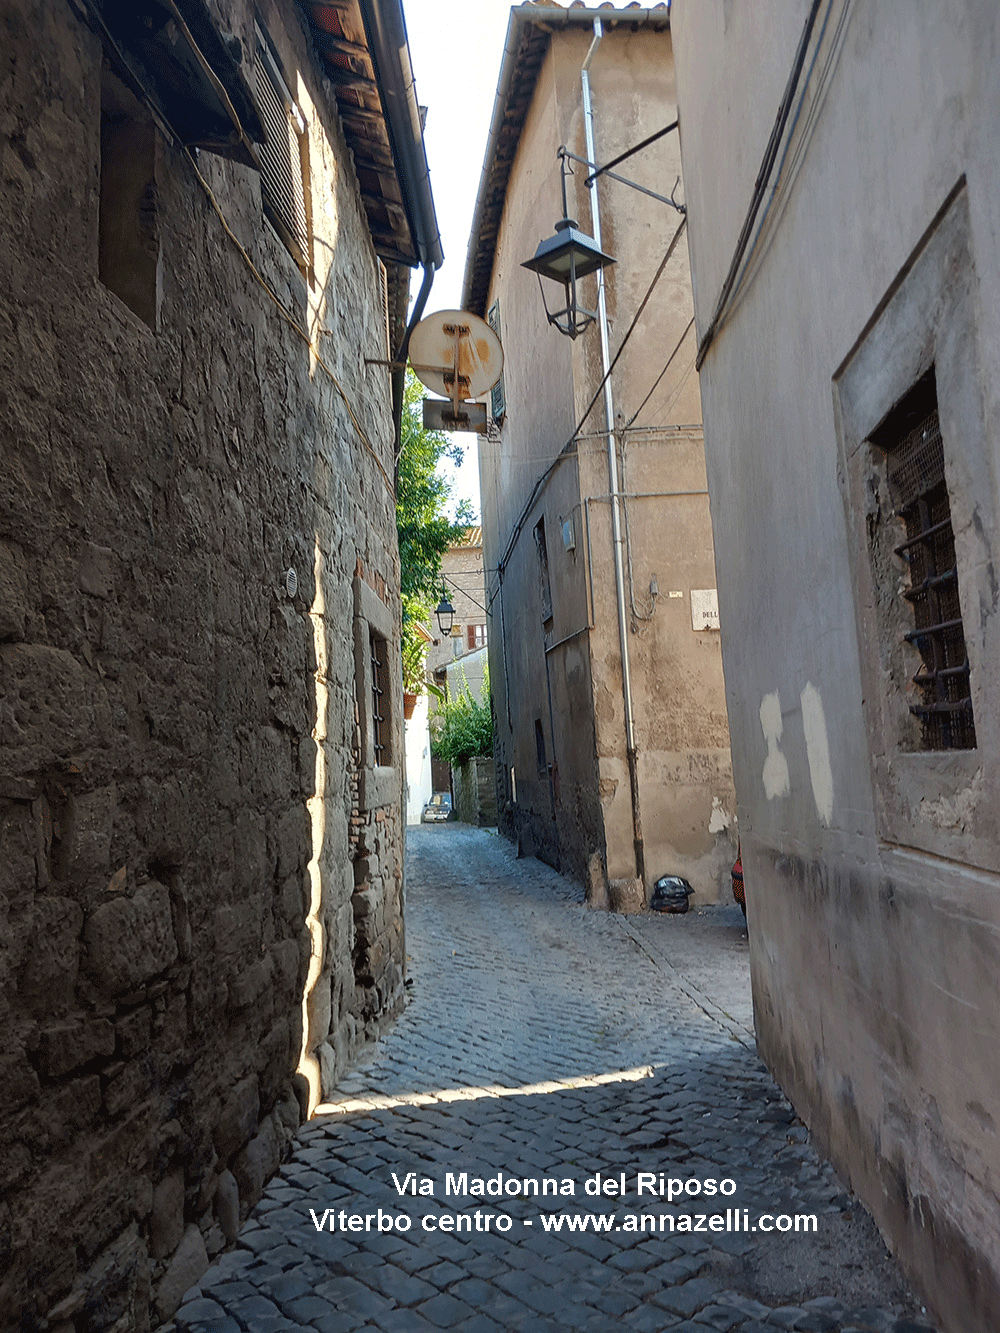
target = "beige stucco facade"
x: 870, y: 854
x: 570, y: 791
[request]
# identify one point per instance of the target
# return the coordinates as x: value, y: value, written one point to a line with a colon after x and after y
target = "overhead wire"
x: 656, y: 382
x: 768, y: 219
x: 150, y: 103
x: 570, y: 446
x: 631, y: 328
x: 760, y: 185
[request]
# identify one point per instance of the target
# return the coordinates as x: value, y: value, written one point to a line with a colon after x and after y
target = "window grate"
x: 380, y: 699
x: 920, y: 493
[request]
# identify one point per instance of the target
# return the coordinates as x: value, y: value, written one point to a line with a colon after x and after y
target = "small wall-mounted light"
x: 445, y: 613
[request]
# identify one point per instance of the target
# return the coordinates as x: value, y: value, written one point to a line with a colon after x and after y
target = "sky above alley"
x: 456, y: 47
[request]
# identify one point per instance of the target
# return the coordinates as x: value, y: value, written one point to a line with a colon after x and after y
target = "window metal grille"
x: 380, y: 699
x: 920, y: 494
x: 282, y: 177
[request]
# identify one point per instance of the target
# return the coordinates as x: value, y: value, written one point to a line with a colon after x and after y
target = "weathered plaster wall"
x: 567, y: 675
x: 176, y: 729
x: 870, y: 870
x: 462, y: 568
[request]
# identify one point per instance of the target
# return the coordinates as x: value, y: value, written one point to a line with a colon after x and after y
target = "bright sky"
x: 456, y: 47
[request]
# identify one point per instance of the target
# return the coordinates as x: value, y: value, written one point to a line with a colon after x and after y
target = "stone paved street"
x: 546, y: 1041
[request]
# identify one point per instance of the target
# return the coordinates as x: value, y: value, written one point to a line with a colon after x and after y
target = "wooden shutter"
x: 281, y: 179
x: 498, y: 395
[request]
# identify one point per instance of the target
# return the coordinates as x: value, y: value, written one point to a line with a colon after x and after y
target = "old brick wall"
x: 175, y: 724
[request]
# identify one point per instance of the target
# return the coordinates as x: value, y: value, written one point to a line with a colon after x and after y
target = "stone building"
x: 208, y: 238
x: 846, y: 287
x: 464, y: 581
x: 612, y: 746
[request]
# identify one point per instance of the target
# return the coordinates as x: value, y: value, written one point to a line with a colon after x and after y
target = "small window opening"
x: 380, y: 718
x: 544, y: 584
x: 284, y: 158
x: 540, y: 747
x: 477, y: 637
x: 911, y: 439
x: 128, y: 231
x: 498, y: 394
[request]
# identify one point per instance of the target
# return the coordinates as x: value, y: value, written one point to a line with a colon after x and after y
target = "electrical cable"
x: 150, y: 104
x: 656, y: 382
x: 757, y: 198
x: 631, y: 328
x: 570, y: 446
x: 754, y: 256
x: 213, y: 78
x: 293, y: 324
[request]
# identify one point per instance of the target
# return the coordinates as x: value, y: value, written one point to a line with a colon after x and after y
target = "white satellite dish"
x: 456, y: 354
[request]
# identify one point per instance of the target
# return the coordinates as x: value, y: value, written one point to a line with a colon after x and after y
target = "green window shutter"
x: 498, y: 396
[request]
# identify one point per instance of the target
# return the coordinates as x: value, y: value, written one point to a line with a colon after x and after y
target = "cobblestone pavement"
x: 546, y: 1041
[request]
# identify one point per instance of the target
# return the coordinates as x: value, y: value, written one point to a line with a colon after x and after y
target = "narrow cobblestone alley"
x: 543, y: 1040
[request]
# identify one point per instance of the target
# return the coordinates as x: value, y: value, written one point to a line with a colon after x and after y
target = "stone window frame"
x: 936, y: 801
x: 379, y: 783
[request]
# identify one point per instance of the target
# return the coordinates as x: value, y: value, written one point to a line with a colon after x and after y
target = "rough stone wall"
x: 475, y: 792
x: 175, y: 724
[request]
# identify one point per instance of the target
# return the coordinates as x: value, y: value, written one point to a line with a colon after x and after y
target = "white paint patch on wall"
x: 775, y: 773
x: 818, y: 752
x: 720, y: 819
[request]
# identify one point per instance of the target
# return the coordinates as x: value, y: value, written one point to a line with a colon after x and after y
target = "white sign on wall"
x: 704, y: 608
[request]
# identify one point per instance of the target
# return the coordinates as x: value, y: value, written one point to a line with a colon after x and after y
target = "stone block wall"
x: 176, y: 714
x: 476, y: 792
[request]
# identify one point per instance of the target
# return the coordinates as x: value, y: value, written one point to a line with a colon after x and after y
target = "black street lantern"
x: 445, y: 613
x: 565, y: 257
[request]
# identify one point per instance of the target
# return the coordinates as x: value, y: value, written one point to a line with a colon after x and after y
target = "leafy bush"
x: 463, y: 727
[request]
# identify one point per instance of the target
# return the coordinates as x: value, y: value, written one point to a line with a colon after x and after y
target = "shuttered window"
x: 498, y: 396
x: 284, y: 158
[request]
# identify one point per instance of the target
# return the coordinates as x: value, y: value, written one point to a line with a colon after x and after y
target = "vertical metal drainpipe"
x: 616, y: 525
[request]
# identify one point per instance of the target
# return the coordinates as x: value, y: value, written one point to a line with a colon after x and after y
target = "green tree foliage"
x: 424, y: 529
x: 463, y: 727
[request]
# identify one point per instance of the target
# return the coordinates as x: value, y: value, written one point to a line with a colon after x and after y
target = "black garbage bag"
x: 671, y: 894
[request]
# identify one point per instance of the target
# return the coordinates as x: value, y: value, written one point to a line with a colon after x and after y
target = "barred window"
x: 380, y: 715
x: 914, y: 458
x: 284, y: 157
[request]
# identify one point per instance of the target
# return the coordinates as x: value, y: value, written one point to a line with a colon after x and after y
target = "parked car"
x: 438, y: 809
